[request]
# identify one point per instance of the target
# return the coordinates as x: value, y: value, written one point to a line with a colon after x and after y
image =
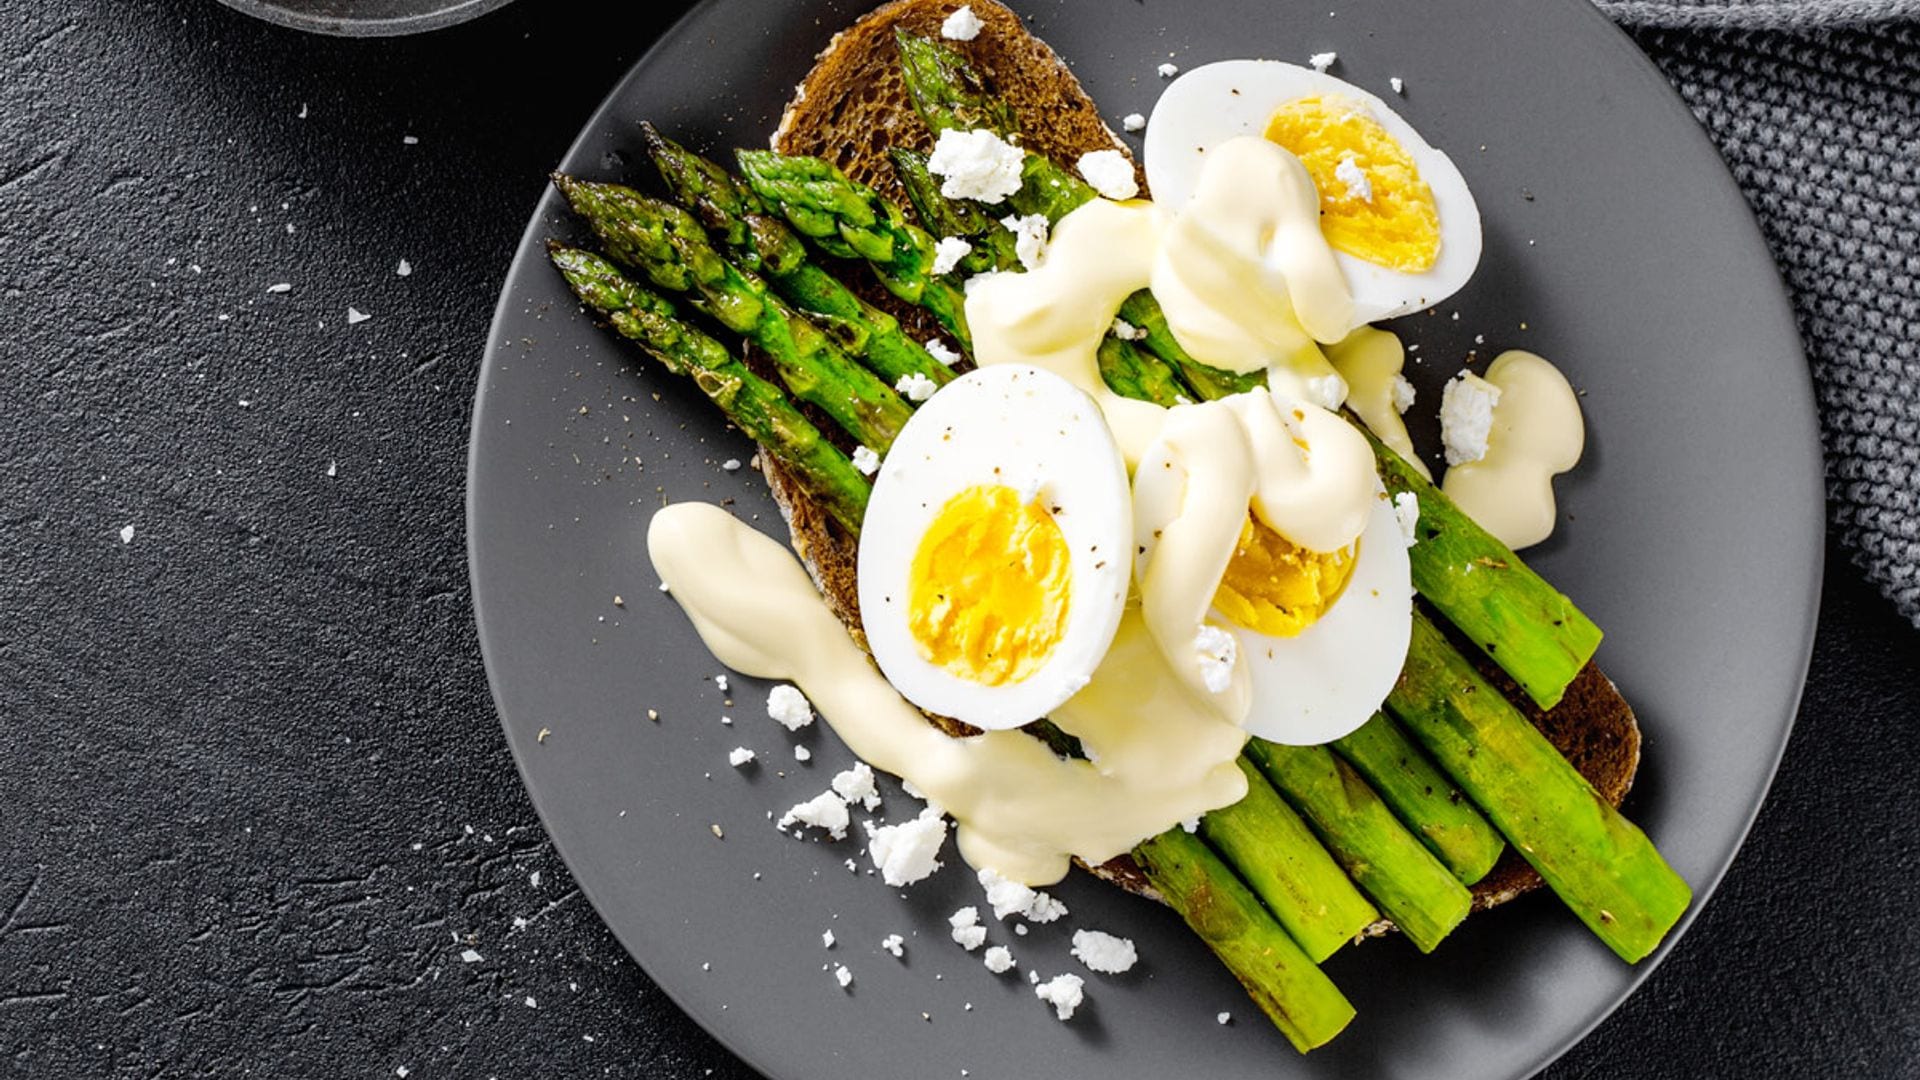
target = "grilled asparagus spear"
x: 1425, y: 801
x: 764, y: 244
x: 1296, y: 995
x: 850, y: 220
x: 755, y: 406
x: 1600, y: 864
x: 666, y: 244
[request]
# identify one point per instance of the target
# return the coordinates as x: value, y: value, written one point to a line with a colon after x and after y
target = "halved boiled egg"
x: 1273, y: 570
x: 1396, y: 211
x: 995, y: 552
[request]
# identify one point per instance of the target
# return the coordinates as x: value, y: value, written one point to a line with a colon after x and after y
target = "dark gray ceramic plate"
x: 1615, y: 243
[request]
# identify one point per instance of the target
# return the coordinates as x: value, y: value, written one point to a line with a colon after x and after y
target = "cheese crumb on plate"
x: 1103, y: 952
x: 788, y: 707
x: 1064, y: 992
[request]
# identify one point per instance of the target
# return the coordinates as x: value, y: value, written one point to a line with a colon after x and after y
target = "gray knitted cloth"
x: 1815, y: 104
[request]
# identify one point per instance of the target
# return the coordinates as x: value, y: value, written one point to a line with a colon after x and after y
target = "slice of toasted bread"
x: 850, y: 110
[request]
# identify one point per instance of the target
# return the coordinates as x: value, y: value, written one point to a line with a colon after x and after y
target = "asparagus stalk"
x: 1296, y: 995
x: 762, y: 243
x: 1523, y: 624
x: 669, y: 247
x: 1416, y: 890
x: 1599, y: 863
x: 1305, y: 889
x: 1422, y: 798
x: 950, y: 95
x: 850, y: 220
x: 754, y: 405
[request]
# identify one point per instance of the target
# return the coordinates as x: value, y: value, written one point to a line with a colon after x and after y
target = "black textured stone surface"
x: 256, y: 802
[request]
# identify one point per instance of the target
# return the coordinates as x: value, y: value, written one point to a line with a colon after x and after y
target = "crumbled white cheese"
x: 1223, y: 1018
x: 842, y: 976
x: 126, y: 534
x: 1218, y: 652
x: 355, y: 316
x: 976, y: 165
x: 720, y: 683
x: 1168, y: 71
x: 1133, y: 121
x: 948, y: 253
x: 1399, y: 85
x: 894, y: 944
x: 856, y: 785
x: 1350, y: 173
x: 801, y: 753
x: 826, y: 939
x: 967, y: 930
x: 1029, y: 237
x: 1110, y: 173
x: 1466, y: 417
x: 1403, y: 394
x: 1192, y: 824
x: 1406, y: 511
x: 739, y: 756
x: 732, y: 464
x: 998, y: 959
x: 1328, y: 391
x: 1126, y: 331
x: 942, y: 351
x: 1012, y: 898
x: 788, y: 707
x: 1322, y: 61
x: 915, y: 387
x: 908, y: 852
x: 280, y: 287
x: 825, y: 811
x: 403, y: 269
x: 866, y: 460
x: 470, y: 957
x: 1103, y: 952
x: 1063, y: 992
x: 962, y: 25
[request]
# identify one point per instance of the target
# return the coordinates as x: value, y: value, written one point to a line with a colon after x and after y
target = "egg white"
x: 1021, y: 427
x: 1215, y: 102
x: 1331, y: 678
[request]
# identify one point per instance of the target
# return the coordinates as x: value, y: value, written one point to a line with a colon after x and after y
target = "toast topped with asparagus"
x: 1501, y: 750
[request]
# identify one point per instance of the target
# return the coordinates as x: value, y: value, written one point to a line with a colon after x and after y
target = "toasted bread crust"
x: 851, y: 109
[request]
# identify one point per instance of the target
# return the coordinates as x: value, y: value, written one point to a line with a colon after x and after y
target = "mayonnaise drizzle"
x: 1371, y: 359
x: 1021, y: 810
x: 1245, y: 275
x: 1242, y: 272
x: 1054, y: 317
x: 1537, y: 434
x: 1304, y: 472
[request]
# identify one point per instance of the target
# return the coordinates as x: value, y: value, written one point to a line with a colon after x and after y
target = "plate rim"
x: 347, y: 26
x: 1703, y: 892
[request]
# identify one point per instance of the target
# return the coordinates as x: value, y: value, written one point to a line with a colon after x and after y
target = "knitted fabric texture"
x: 1815, y: 104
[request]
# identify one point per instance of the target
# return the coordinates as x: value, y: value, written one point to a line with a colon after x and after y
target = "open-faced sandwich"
x: 1115, y: 545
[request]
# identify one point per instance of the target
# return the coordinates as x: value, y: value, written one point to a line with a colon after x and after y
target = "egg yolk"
x: 989, y: 586
x: 1374, y: 205
x: 1275, y: 588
